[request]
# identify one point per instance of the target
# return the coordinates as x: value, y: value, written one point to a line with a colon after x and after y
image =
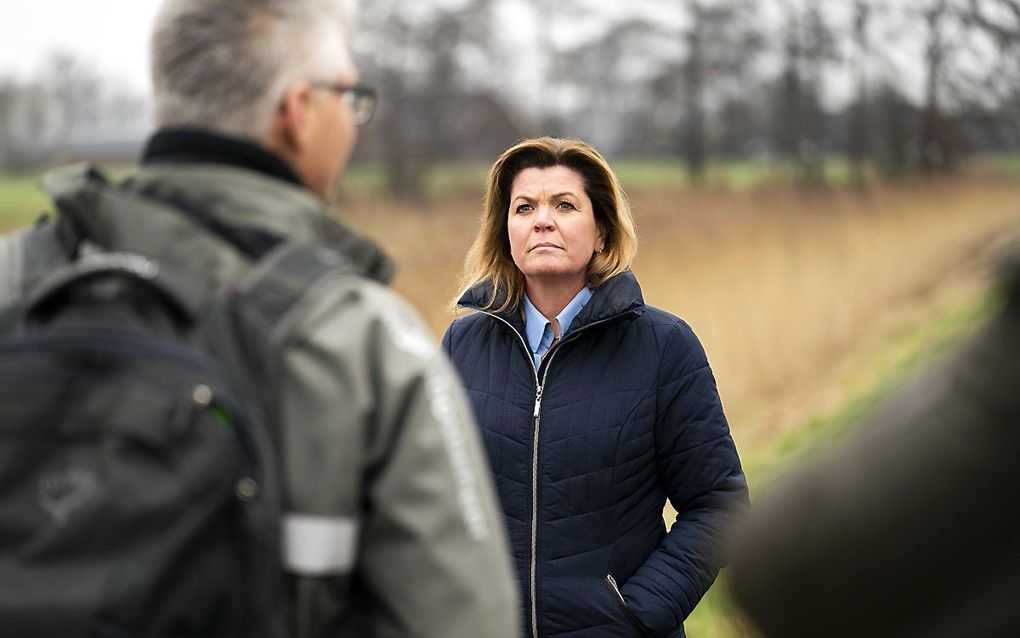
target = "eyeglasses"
x: 360, y: 97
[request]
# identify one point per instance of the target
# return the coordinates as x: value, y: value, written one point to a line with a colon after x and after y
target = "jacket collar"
x: 280, y: 207
x: 616, y: 298
x: 195, y: 146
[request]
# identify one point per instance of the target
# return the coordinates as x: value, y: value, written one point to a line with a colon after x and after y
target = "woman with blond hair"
x: 595, y: 408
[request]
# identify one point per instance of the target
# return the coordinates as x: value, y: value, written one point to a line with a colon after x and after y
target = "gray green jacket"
x: 392, y: 527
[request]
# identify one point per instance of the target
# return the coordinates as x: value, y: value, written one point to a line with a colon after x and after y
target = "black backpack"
x: 138, y: 495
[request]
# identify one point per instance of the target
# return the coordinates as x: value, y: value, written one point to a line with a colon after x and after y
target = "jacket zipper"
x: 539, y: 388
x: 616, y: 588
x: 534, y: 469
x: 611, y: 581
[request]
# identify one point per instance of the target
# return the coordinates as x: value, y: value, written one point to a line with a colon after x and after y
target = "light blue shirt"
x: 538, y: 329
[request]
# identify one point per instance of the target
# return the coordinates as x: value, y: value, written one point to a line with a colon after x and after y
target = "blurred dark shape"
x: 910, y: 528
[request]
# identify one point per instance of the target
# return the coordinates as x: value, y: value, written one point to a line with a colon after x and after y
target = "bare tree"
x: 76, y: 93
x: 608, y: 77
x: 690, y: 78
x: 416, y: 55
x: 999, y: 22
x: 935, y: 154
x: 959, y: 72
x: 859, y: 131
x: 8, y: 108
x: 721, y: 41
x: 33, y: 128
x: 799, y: 120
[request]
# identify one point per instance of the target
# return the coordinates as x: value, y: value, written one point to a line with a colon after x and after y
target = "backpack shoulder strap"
x: 278, y: 284
x: 248, y: 323
x: 12, y: 266
x: 28, y: 255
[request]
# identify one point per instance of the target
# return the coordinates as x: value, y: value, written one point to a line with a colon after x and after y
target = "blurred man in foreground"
x: 911, y: 528
x: 390, y: 526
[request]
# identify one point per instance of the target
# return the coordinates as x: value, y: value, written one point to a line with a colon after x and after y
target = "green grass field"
x: 1010, y: 162
x: 21, y: 201
x: 447, y: 177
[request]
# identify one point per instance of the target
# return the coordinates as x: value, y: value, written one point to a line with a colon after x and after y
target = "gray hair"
x: 224, y: 64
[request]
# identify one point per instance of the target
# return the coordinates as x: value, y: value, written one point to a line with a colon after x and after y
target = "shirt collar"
x: 535, y: 322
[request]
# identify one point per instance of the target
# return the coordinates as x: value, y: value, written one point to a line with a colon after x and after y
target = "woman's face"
x: 552, y: 228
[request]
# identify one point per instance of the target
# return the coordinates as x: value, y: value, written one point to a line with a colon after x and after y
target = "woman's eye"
x: 567, y: 205
x: 523, y: 208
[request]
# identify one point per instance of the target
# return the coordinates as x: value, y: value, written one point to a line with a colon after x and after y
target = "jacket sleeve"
x: 698, y: 467
x: 371, y: 403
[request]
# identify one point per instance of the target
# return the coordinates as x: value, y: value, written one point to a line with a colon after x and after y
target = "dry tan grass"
x: 780, y: 284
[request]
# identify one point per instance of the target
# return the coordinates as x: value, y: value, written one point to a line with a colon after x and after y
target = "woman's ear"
x: 600, y: 238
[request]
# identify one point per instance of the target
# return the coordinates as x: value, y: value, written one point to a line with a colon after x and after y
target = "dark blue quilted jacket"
x: 622, y: 415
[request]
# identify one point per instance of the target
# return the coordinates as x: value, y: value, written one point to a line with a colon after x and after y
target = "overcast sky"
x: 111, y: 35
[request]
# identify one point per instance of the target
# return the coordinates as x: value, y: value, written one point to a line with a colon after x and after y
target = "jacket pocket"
x: 611, y: 583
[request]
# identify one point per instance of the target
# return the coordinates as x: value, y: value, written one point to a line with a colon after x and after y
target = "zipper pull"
x: 538, y: 401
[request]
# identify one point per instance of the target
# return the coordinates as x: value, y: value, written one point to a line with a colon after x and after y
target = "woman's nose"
x: 543, y: 218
